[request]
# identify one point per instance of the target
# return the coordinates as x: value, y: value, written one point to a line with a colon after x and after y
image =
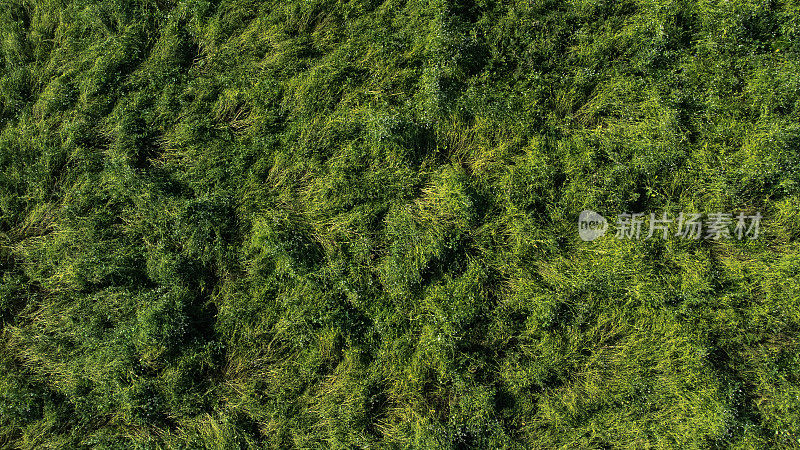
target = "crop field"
x: 400, y: 224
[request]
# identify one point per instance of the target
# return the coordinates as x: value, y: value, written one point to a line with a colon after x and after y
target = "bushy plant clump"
x: 352, y: 224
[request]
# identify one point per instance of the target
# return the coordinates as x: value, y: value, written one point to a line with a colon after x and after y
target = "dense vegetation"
x: 319, y: 223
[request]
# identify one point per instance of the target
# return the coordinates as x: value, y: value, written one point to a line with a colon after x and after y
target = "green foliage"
x: 351, y: 224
